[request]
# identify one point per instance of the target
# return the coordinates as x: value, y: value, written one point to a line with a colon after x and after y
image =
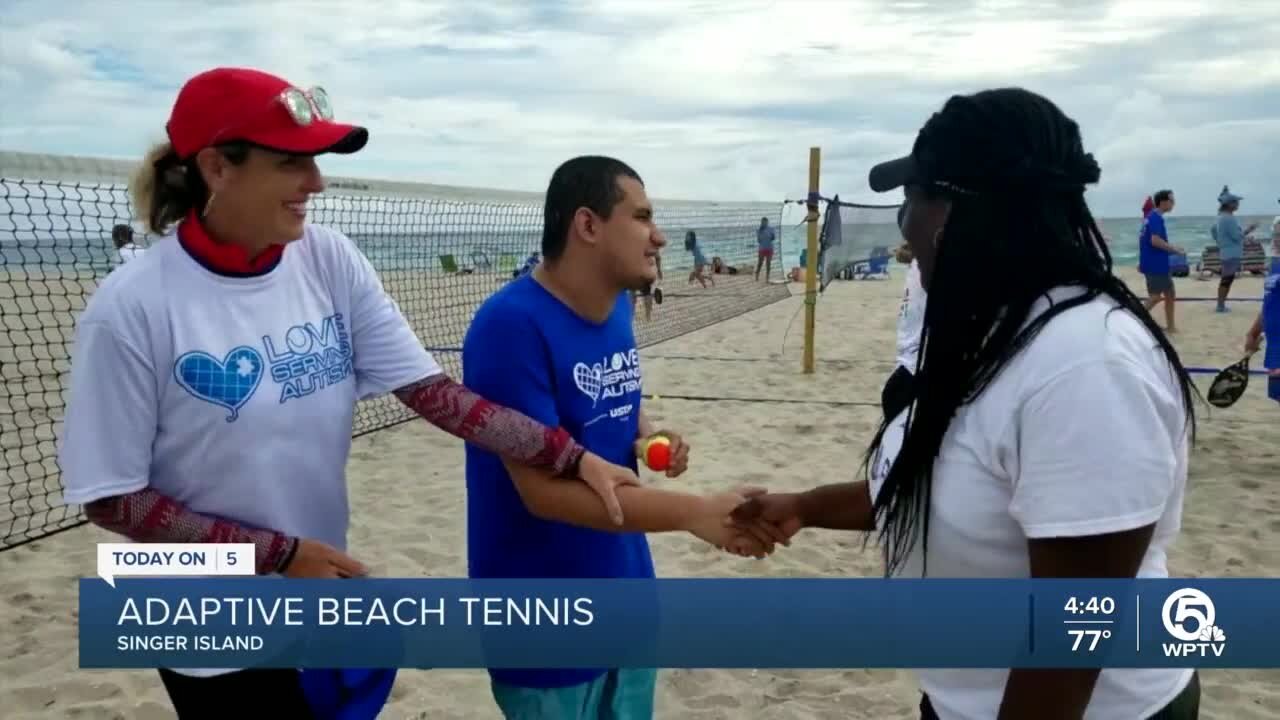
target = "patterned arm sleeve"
x: 460, y: 412
x: 149, y: 516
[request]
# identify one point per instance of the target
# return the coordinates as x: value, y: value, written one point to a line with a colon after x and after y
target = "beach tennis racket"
x: 1229, y: 384
x: 657, y: 295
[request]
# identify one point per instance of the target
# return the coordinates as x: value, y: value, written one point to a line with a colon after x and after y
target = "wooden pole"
x: 811, y: 260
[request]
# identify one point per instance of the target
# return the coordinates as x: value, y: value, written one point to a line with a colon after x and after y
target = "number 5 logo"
x: 1183, y: 605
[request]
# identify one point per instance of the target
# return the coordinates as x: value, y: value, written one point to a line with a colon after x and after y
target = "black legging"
x: 240, y: 694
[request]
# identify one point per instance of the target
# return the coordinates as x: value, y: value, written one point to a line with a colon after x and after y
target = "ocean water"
x: 1191, y: 233
x: 422, y: 250
x: 86, y: 250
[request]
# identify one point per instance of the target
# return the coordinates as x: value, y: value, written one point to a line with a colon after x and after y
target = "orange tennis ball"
x: 657, y: 453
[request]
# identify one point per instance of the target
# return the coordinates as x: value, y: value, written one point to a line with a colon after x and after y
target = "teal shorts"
x: 616, y: 695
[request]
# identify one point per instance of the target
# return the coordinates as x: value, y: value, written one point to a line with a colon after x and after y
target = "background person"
x: 765, y: 238
x: 1230, y: 237
x: 1154, y: 249
x: 126, y: 249
x: 699, y: 271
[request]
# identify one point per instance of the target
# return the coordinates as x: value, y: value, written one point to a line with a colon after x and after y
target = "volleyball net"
x: 440, y: 251
x: 856, y: 240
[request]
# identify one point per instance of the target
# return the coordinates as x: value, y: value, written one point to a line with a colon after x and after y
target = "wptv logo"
x: 1189, y: 615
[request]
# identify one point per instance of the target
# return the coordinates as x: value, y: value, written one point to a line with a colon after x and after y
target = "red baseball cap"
x: 240, y: 104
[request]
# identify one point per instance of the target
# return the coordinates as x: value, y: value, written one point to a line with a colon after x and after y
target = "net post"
x: 811, y: 259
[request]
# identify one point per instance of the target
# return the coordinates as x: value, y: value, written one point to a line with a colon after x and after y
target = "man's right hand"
x: 314, y: 559
x: 710, y: 526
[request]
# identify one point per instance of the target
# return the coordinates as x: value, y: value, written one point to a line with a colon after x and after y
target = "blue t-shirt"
x: 530, y: 352
x: 1271, y: 329
x: 1152, y: 260
x: 765, y: 238
x: 1229, y: 236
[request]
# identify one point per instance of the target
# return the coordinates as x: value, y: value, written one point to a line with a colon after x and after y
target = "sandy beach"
x: 408, y: 506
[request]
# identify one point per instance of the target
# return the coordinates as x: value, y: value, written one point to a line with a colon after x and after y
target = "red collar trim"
x: 224, y: 258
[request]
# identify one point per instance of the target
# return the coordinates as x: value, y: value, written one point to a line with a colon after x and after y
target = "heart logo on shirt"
x: 228, y: 383
x: 589, y: 379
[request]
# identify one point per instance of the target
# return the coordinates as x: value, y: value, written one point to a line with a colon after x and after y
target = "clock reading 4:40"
x: 1094, y: 605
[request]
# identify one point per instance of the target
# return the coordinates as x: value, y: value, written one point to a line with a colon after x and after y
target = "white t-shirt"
x: 911, y: 318
x: 1082, y: 433
x: 129, y: 251
x: 234, y: 396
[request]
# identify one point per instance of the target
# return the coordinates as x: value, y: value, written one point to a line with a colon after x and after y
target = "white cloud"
x: 711, y: 100
x: 1249, y: 70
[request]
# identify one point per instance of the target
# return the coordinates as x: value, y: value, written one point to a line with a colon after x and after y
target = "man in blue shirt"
x: 558, y: 344
x: 1153, y: 257
x: 1268, y: 325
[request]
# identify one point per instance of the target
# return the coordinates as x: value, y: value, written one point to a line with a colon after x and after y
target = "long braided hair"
x: 1014, y: 170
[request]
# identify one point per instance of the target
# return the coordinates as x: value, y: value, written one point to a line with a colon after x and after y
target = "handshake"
x: 748, y: 521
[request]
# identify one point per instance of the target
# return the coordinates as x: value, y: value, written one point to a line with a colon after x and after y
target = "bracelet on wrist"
x: 573, y: 467
x: 289, y: 554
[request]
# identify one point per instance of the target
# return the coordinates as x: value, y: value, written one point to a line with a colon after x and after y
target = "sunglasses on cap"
x: 305, y: 106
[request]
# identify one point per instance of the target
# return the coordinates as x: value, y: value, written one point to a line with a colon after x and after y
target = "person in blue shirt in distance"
x: 559, y: 343
x: 699, y: 271
x: 765, y: 237
x: 1153, y: 257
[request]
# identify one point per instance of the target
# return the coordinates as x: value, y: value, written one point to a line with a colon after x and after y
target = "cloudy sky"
x: 708, y: 100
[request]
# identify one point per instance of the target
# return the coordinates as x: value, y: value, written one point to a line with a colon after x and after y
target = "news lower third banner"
x: 229, y: 622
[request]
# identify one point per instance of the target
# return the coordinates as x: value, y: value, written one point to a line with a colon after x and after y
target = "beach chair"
x: 449, y: 264
x: 1210, y: 262
x: 1254, y: 258
x: 507, y: 263
x: 875, y: 266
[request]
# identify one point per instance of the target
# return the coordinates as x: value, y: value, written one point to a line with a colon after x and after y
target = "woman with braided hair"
x: 1050, y: 419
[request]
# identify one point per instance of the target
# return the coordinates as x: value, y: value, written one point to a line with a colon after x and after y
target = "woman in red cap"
x: 214, y: 379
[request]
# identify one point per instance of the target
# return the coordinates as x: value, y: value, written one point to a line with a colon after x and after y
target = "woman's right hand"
x: 314, y: 559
